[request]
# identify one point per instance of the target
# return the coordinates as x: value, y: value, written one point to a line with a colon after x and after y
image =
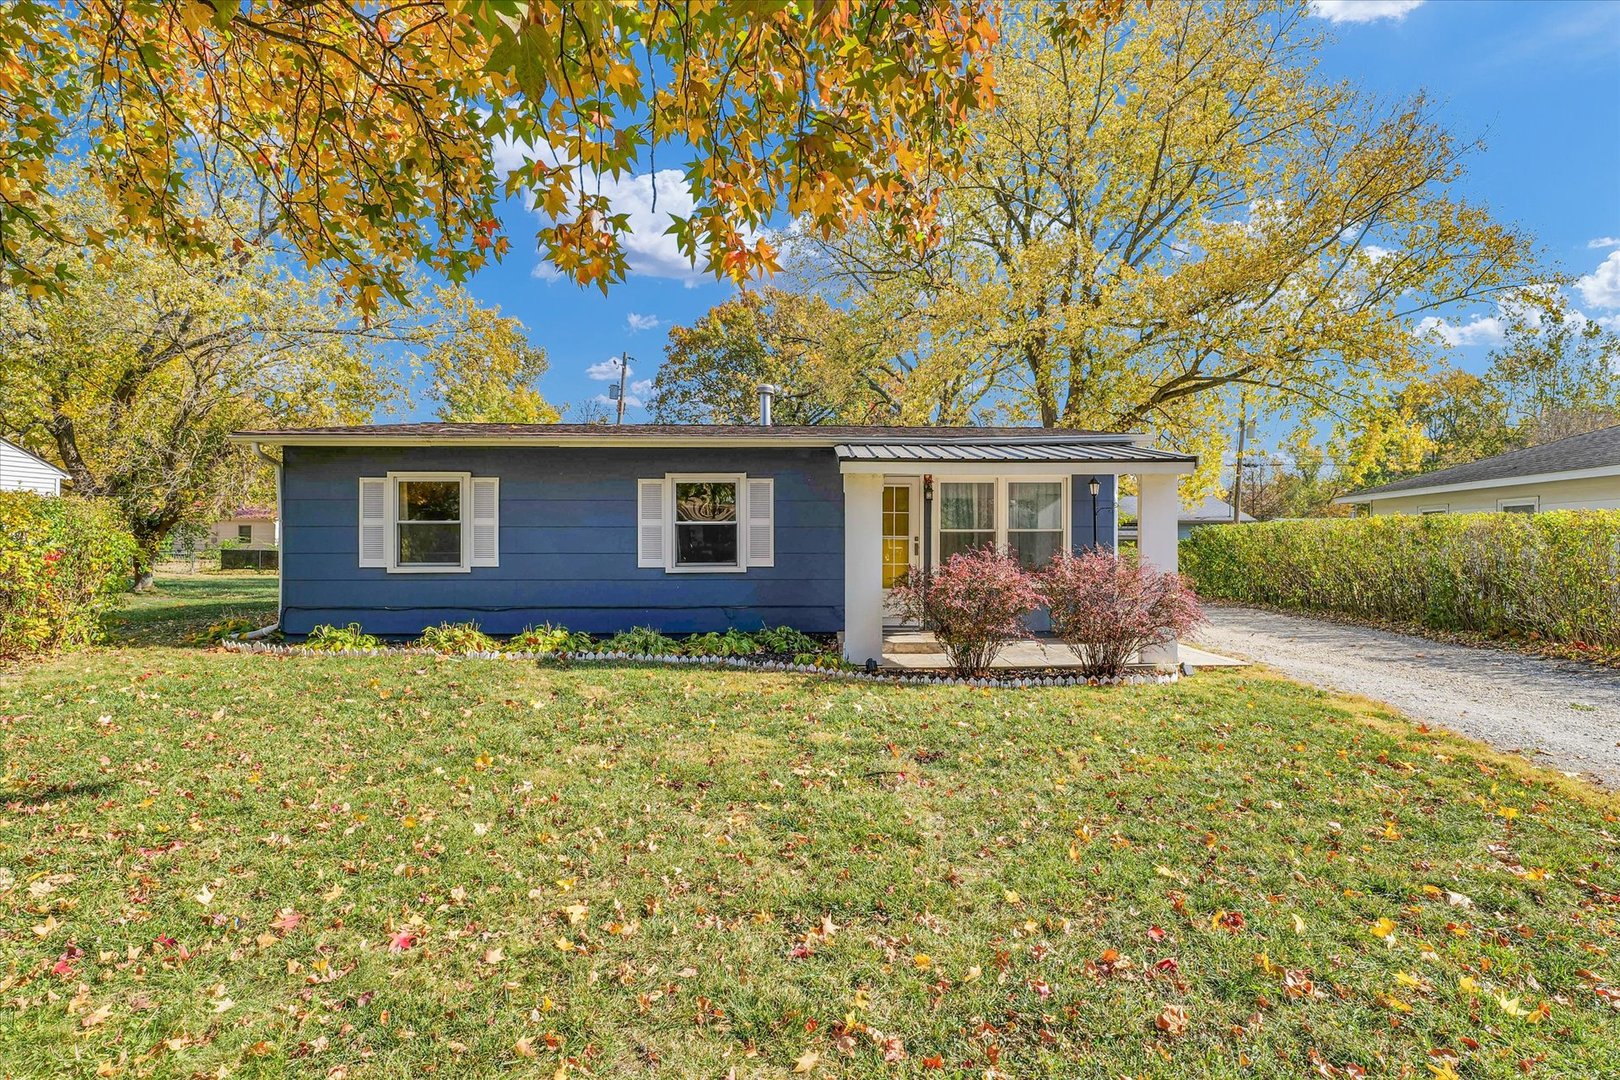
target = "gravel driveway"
x: 1568, y: 712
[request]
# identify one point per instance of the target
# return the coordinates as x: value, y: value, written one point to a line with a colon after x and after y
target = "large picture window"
x: 1034, y: 521
x: 967, y: 517
x: 706, y: 523
x: 1027, y: 519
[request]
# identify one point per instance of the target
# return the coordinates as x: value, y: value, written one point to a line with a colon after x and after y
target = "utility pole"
x: 624, y: 371
x: 1237, y: 474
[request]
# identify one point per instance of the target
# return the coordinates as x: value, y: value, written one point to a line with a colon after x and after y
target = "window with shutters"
x: 427, y: 523
x: 707, y: 522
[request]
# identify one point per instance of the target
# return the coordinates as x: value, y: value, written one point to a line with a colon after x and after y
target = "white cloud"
x: 637, y: 323
x: 607, y: 370
x: 1602, y: 242
x: 1359, y: 11
x: 648, y: 246
x: 1601, y: 288
x: 1480, y: 330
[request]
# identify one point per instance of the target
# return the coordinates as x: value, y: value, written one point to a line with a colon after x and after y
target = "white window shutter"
x: 650, y: 523
x: 373, y: 521
x: 486, y: 521
x: 761, y: 522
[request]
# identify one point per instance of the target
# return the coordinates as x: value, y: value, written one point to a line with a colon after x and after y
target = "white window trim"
x: 1532, y: 501
x: 1001, y: 513
x: 670, y: 539
x: 1435, y: 508
x: 391, y: 517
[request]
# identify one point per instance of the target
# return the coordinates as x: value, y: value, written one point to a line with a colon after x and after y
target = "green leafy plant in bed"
x: 455, y: 639
x: 785, y: 639
x: 730, y: 643
x: 641, y: 641
x: 326, y: 638
x: 549, y: 639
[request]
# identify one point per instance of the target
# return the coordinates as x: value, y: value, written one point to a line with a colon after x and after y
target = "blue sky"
x: 1539, y: 82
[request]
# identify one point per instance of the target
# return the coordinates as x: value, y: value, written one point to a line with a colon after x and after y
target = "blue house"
x: 685, y: 528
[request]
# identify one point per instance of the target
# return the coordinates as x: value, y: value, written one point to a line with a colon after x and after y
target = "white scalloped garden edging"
x: 1138, y: 679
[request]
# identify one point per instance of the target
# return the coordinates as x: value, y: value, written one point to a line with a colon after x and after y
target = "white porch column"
x: 863, y: 567
x: 1158, y: 510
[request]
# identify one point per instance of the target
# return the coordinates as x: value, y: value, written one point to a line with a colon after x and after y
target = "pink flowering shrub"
x: 974, y: 602
x: 1107, y: 608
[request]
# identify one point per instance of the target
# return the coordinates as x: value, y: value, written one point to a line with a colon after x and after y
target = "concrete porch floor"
x: 916, y: 649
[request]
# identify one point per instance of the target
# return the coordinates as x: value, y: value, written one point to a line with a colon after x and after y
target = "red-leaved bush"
x: 1107, y: 608
x: 974, y: 602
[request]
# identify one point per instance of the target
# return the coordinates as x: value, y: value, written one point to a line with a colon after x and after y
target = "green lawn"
x: 214, y: 864
x: 184, y: 605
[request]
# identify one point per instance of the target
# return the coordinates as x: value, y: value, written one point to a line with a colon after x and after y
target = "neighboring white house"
x: 1581, y: 472
x: 22, y: 471
x: 1212, y: 511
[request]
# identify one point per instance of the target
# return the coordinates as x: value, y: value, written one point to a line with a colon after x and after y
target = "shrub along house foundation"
x: 684, y: 528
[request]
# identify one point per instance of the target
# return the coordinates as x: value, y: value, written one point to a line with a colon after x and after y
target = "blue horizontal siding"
x: 567, y: 544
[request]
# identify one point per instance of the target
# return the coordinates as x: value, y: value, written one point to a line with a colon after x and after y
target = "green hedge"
x: 1556, y: 575
x: 63, y: 563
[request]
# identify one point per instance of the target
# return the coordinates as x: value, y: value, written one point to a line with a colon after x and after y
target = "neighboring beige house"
x: 22, y: 471
x: 1581, y: 472
x: 249, y: 526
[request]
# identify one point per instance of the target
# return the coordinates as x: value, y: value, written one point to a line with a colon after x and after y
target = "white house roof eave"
x: 59, y: 474
x: 1359, y: 498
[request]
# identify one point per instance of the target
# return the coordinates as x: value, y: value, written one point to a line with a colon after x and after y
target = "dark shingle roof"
x: 827, y: 433
x: 1594, y: 450
x: 874, y: 443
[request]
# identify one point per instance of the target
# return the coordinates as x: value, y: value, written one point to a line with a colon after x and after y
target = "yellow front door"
x: 902, y: 536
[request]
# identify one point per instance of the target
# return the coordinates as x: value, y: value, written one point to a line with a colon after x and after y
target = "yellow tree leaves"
x: 369, y: 127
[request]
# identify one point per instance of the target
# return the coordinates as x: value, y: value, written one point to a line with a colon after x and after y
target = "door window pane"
x: 428, y: 532
x: 896, y: 533
x: 706, y: 523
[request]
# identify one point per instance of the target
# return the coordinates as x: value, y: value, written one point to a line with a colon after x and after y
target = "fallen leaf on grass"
x: 806, y: 1061
x: 1172, y: 1021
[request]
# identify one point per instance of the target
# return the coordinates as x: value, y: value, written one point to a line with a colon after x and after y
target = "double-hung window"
x: 1034, y: 521
x: 1025, y: 518
x: 693, y: 523
x: 425, y: 523
x: 967, y: 516
x: 706, y: 523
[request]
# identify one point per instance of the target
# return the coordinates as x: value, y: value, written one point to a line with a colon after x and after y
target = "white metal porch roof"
x: 1045, y: 449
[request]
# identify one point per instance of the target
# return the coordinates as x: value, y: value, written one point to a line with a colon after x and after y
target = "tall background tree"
x: 712, y: 369
x: 1166, y: 216
x: 483, y: 368
x: 135, y: 371
x: 1554, y: 374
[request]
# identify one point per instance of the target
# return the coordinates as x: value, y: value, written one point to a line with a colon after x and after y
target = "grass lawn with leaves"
x: 213, y: 864
x: 186, y: 606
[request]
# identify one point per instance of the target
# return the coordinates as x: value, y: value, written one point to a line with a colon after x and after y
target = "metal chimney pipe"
x: 767, y: 394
